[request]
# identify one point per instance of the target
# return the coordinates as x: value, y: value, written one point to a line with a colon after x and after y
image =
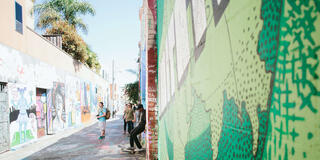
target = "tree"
x: 51, y: 11
x: 132, y: 91
x: 92, y: 60
x: 72, y: 43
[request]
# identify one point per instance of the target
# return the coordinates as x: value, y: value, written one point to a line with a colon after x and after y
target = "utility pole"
x: 112, y: 86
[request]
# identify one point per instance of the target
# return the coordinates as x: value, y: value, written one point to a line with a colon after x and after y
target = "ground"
x: 84, y: 145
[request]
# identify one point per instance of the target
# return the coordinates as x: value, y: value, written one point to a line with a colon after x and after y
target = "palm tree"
x: 51, y: 11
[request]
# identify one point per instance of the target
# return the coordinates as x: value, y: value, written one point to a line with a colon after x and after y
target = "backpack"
x: 108, y: 114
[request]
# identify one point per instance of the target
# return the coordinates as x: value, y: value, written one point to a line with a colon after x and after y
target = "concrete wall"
x: 239, y: 79
x: 47, y: 90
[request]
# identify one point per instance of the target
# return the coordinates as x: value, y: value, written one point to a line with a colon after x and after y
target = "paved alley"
x: 84, y: 145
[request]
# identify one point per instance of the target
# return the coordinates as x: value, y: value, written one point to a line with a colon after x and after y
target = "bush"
x: 72, y: 43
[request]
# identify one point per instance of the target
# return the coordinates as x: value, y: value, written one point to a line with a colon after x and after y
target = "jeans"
x: 130, y: 126
x: 125, y: 125
x: 133, y: 135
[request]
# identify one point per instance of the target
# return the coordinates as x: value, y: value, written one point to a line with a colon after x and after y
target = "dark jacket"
x: 143, y: 118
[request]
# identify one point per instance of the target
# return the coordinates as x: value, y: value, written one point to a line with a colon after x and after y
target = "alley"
x: 84, y: 145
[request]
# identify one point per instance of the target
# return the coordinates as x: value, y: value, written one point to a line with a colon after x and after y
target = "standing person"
x: 102, y: 119
x: 130, y: 117
x: 139, y: 129
x: 124, y: 119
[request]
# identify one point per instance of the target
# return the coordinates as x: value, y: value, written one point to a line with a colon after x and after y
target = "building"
x: 42, y: 89
x: 148, y: 74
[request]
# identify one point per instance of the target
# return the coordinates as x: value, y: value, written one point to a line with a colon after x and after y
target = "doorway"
x: 41, y: 112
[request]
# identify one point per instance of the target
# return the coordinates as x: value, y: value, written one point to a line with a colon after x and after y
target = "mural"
x: 85, y: 105
x: 23, y: 122
x: 73, y: 100
x: 41, y: 111
x: 57, y: 118
x: 93, y: 98
x: 260, y: 97
x: 58, y: 106
x: 33, y: 112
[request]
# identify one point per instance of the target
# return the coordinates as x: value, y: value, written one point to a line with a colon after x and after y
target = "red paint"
x: 152, y: 7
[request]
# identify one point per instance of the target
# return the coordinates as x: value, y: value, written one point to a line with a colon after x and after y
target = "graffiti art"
x: 23, y: 123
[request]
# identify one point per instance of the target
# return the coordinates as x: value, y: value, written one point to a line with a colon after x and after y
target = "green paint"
x: 292, y: 151
x: 25, y: 137
x: 269, y: 35
x: 199, y: 148
x: 285, y: 152
x: 199, y: 133
x: 310, y: 135
x: 296, y: 69
x: 237, y: 132
x: 169, y: 146
x: 284, y: 44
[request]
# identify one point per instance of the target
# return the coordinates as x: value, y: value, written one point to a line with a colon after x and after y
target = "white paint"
x: 182, y: 38
x: 199, y: 19
x: 170, y: 44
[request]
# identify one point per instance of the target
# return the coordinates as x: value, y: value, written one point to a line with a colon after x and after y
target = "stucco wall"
x: 239, y: 79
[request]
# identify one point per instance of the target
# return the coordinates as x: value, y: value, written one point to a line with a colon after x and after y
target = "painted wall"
x: 239, y: 79
x: 148, y: 73
x: 66, y: 100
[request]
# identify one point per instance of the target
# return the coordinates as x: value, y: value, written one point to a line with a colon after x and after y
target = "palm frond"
x: 84, y: 8
x: 78, y: 23
x: 47, y: 18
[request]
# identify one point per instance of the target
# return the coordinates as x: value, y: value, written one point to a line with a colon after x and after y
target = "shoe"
x: 139, y: 149
x: 130, y: 148
x: 100, y: 137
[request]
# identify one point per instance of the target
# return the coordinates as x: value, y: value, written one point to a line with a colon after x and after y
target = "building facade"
x: 43, y: 90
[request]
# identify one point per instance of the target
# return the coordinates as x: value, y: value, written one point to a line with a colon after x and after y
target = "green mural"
x: 199, y: 133
x: 237, y: 144
x: 245, y: 80
x: 295, y: 99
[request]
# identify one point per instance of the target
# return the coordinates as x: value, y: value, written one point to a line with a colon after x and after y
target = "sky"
x: 114, y: 34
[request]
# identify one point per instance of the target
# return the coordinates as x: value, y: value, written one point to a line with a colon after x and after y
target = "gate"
x: 4, y: 118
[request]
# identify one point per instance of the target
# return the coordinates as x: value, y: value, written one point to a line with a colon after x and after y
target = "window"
x: 19, y: 26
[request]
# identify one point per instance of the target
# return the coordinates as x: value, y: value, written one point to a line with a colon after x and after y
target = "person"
x: 124, y: 119
x: 130, y: 117
x: 136, y: 118
x: 139, y: 129
x: 101, y: 116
